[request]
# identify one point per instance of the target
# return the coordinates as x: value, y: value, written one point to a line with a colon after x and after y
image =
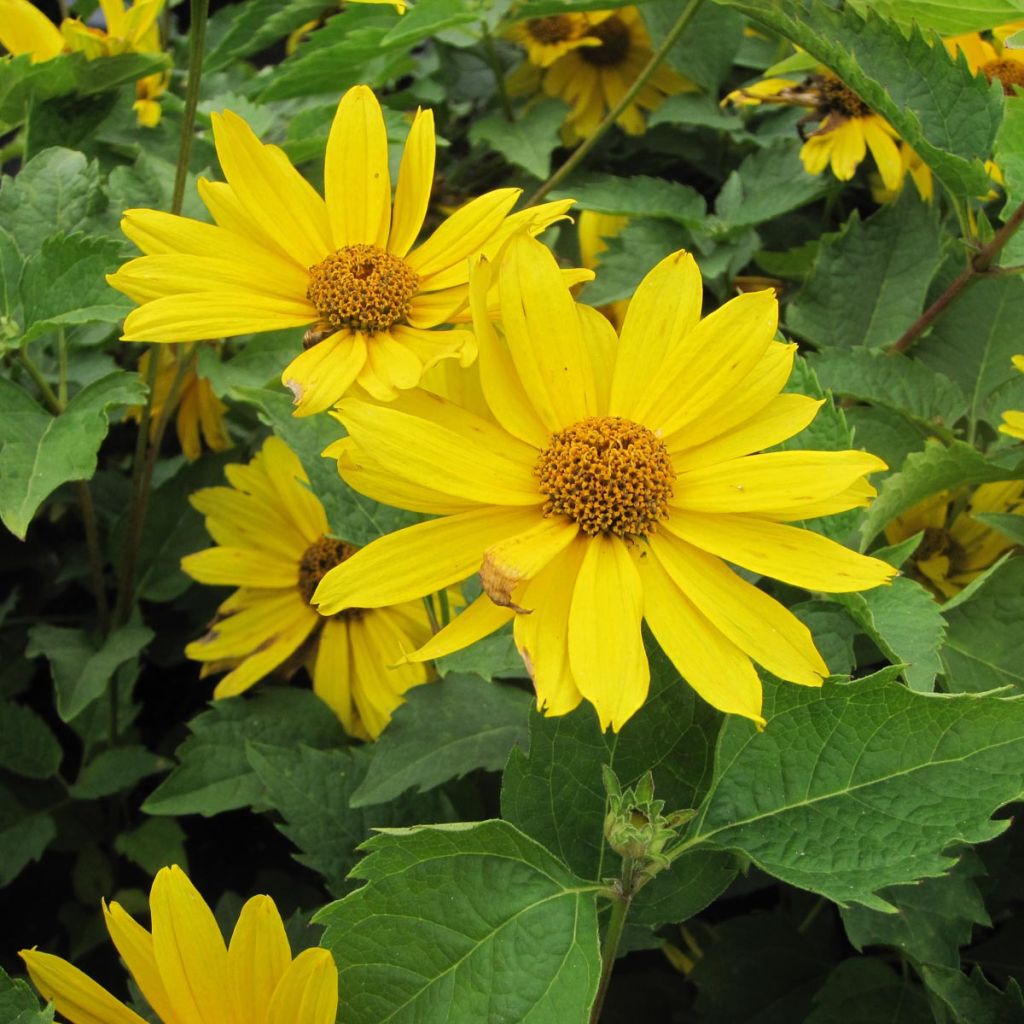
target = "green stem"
x: 494, y: 62
x: 577, y: 156
x: 613, y: 935
x: 50, y: 399
x: 196, y: 44
x: 62, y: 367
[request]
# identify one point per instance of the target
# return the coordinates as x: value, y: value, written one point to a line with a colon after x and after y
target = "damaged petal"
x: 499, y: 581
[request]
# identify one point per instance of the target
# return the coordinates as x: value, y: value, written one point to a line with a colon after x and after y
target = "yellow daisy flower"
x: 956, y: 547
x: 990, y: 57
x: 273, y: 543
x: 593, y: 79
x: 280, y: 256
x: 546, y: 39
x: 200, y: 411
x: 611, y: 483
x: 186, y: 973
x: 1013, y: 422
x: 594, y: 231
x: 25, y: 29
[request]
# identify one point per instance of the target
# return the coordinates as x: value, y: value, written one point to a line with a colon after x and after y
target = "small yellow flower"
x: 546, y: 39
x: 1013, y: 422
x: 593, y: 79
x: 998, y: 63
x: 273, y: 543
x: 186, y: 973
x: 605, y: 481
x: 594, y: 231
x: 25, y: 29
x: 200, y: 411
x: 956, y: 548
x: 281, y: 256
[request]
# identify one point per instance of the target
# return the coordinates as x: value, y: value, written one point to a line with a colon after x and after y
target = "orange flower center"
x: 838, y: 98
x: 362, y: 287
x: 615, y: 39
x: 609, y: 475
x: 1008, y: 72
x: 554, y: 29
x: 318, y: 559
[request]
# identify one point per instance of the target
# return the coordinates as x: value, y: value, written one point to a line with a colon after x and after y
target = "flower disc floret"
x: 615, y: 41
x: 319, y: 558
x: 362, y: 287
x: 609, y: 475
x: 838, y: 98
x: 1008, y: 73
x: 555, y: 28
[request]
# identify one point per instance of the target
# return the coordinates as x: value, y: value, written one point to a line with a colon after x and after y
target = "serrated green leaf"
x: 18, y: 1003
x: 352, y: 516
x: 870, y: 279
x: 527, y: 142
x: 704, y: 52
x: 934, y: 917
x: 937, y: 468
x: 501, y: 907
x: 114, y: 770
x: 947, y: 17
x: 1006, y: 523
x: 81, y: 671
x: 249, y: 27
x: 949, y: 117
x: 213, y: 773
x: 834, y: 632
x: 39, y: 452
x: 982, y: 649
x: 442, y: 732
x: 636, y: 196
x: 840, y: 793
x: 27, y: 745
x: 865, y: 991
x: 157, y: 843
x: 24, y: 835
x: 974, y: 1000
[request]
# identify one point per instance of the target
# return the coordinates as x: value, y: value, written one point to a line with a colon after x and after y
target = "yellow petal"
x: 74, y: 994
x: 332, y: 672
x: 514, y: 559
x: 712, y: 664
x: 258, y: 956
x: 481, y: 618
x: 227, y: 210
x: 664, y: 309
x: 429, y: 309
x: 252, y: 628
x: 319, y: 376
x: 240, y: 567
x: 755, y: 622
x: 357, y: 182
x: 817, y: 151
x: 189, y: 950
x: 886, y: 153
x: 785, y: 553
x: 393, y: 366
x: 418, y: 560
x: 25, y: 29
x: 308, y: 992
x: 415, y: 182
x: 606, y: 648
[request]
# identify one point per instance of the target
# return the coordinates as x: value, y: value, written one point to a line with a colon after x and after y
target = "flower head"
x: 281, y: 256
x: 605, y: 481
x: 185, y: 971
x: 548, y: 38
x: 1013, y: 422
x: 990, y: 57
x: 956, y: 547
x: 273, y: 543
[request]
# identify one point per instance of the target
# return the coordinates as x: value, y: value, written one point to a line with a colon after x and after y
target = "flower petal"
x: 74, y: 994
x: 415, y: 181
x: 319, y: 376
x: 514, y: 559
x: 308, y: 992
x: 240, y: 567
x: 332, y: 673
x: 886, y: 153
x: 258, y: 956
x: 481, y: 618
x: 250, y: 629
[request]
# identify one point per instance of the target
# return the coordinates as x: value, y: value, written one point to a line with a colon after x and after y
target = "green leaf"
x: 947, y: 17
x: 352, y: 517
x: 440, y: 733
x: 704, y: 52
x: 937, y: 468
x: 18, y: 1003
x: 426, y: 19
x: 64, y: 284
x: 1006, y: 523
x: 527, y: 142
x: 840, y: 794
x: 982, y: 649
x: 973, y: 1000
x: 114, y: 770
x: 870, y: 279
x: 905, y: 622
x: 81, y: 671
x: 507, y: 933
x: 894, y: 382
x: 27, y: 745
x: 493, y: 657
x: 24, y: 835
x: 948, y: 116
x: 250, y: 27
x: 834, y: 632
x: 934, y: 917
x: 39, y: 452
x: 865, y: 991
x: 642, y: 243
x: 157, y: 843
x: 636, y: 196
x: 213, y: 773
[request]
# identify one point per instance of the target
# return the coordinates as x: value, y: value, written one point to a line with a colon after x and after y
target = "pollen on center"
x: 318, y: 559
x: 556, y: 28
x: 608, y: 474
x: 1008, y: 73
x: 362, y: 287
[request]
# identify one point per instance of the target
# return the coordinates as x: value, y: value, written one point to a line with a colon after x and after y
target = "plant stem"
x: 62, y: 367
x: 979, y: 266
x: 494, y: 62
x: 49, y: 397
x: 581, y: 151
x: 199, y: 10
x: 613, y: 935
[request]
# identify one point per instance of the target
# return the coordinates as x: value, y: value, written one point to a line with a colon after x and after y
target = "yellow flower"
x: 990, y: 57
x: 200, y: 411
x: 611, y: 482
x: 594, y: 231
x: 25, y: 29
x: 846, y: 129
x: 593, y: 79
x: 186, y: 973
x: 547, y: 39
x: 956, y: 547
x: 1013, y: 422
x: 280, y: 256
x: 273, y: 544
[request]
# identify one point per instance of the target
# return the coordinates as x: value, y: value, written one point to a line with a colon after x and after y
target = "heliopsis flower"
x: 280, y: 256
x: 594, y: 231
x: 200, y: 411
x: 1013, y: 422
x: 25, y: 29
x: 989, y: 57
x: 611, y: 481
x: 186, y: 973
x: 593, y: 79
x: 956, y: 548
x: 846, y: 129
x: 273, y: 544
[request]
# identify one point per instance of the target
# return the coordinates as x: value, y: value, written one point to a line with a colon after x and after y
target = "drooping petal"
x: 74, y: 994
x: 886, y: 153
x: 258, y: 956
x: 357, y: 182
x: 849, y: 147
x: 332, y: 672
x: 251, y: 629
x: 481, y: 618
x: 308, y: 992
x: 415, y: 181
